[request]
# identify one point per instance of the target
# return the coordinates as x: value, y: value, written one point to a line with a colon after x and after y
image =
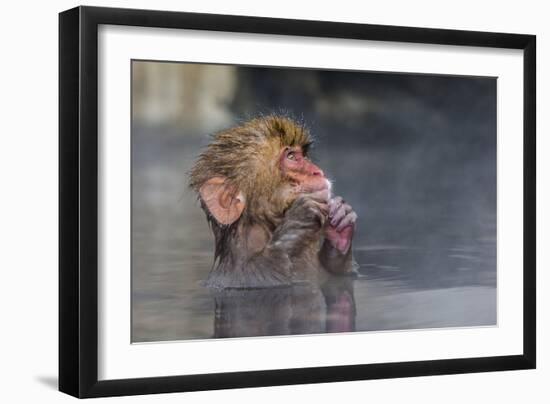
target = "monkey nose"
x: 318, y: 171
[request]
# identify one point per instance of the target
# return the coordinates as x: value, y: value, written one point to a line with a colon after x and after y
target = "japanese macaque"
x: 270, y: 208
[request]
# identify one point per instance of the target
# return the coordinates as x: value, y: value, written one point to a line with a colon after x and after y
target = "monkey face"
x: 302, y: 175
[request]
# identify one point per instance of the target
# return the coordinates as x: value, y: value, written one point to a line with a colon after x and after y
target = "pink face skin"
x: 305, y: 175
x: 308, y: 178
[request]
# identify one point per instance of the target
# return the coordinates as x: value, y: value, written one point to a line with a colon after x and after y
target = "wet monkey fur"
x: 270, y: 208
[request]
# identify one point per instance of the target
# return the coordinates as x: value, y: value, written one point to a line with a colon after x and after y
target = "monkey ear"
x: 224, y: 202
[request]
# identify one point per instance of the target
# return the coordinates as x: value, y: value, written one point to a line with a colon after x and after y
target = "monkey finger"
x: 315, y: 205
x: 335, y: 203
x: 323, y: 207
x: 319, y: 215
x: 337, y: 215
x: 348, y: 208
x: 348, y: 220
x: 337, y: 200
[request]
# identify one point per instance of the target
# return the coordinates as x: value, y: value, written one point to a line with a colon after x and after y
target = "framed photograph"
x: 252, y: 201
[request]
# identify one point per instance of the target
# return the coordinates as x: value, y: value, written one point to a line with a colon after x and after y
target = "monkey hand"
x: 340, y: 224
x: 303, y: 222
x: 309, y: 211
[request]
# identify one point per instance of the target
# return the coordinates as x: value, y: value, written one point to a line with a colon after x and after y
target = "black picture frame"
x: 78, y: 201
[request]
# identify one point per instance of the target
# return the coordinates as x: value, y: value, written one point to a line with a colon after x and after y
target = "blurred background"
x: 415, y: 155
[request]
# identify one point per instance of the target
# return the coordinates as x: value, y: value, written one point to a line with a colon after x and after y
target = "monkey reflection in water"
x: 283, y: 244
x: 300, y: 309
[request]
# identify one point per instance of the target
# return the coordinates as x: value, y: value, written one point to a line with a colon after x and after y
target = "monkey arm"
x: 301, y: 229
x: 336, y: 262
x: 272, y: 265
x: 304, y: 224
x: 257, y: 259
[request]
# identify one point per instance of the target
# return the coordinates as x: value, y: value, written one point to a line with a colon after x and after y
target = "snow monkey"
x: 270, y: 207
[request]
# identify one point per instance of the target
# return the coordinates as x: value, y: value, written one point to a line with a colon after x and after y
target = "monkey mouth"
x: 322, y: 187
x: 326, y: 190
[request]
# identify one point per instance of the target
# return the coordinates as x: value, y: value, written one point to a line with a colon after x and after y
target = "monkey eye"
x: 291, y: 156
